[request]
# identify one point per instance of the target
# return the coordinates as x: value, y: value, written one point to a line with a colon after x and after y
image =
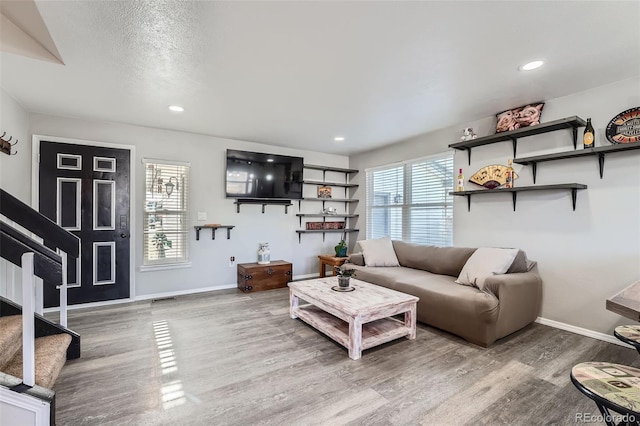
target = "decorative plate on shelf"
x: 624, y: 127
x: 492, y: 176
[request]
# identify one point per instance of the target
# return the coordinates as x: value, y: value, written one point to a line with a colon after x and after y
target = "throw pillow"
x: 485, y: 262
x: 356, y: 259
x: 521, y: 263
x: 379, y: 252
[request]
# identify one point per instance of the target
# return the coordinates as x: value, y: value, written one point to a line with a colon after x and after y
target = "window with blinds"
x: 411, y: 201
x: 166, y: 212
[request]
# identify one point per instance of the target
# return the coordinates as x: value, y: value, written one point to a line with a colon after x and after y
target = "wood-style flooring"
x: 228, y: 358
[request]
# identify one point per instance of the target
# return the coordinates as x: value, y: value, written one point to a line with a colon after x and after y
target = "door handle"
x: 123, y: 235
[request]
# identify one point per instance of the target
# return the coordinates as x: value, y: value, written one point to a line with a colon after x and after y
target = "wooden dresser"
x: 255, y: 277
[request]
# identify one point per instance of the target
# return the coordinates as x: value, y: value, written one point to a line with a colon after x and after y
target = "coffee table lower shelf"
x: 374, y: 333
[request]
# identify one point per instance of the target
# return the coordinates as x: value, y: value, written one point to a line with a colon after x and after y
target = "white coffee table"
x: 358, y: 320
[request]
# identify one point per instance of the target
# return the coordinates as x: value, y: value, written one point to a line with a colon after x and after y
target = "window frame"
x: 182, y: 214
x: 406, y: 207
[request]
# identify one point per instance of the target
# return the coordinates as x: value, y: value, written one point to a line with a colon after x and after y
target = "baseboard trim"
x: 90, y: 305
x: 305, y: 277
x: 143, y: 297
x: 184, y: 292
x: 582, y: 331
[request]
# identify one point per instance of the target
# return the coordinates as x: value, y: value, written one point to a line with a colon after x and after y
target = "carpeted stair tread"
x: 10, y: 338
x: 51, y: 354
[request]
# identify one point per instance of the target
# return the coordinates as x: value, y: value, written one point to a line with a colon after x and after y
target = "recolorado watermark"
x: 599, y: 418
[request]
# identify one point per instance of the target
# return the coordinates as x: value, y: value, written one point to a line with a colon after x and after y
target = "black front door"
x: 85, y: 189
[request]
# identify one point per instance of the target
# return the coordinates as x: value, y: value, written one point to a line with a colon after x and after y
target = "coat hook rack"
x: 5, y: 144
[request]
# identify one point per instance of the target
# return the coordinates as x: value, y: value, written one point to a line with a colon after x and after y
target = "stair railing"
x: 10, y: 277
x: 36, y: 260
x: 28, y: 320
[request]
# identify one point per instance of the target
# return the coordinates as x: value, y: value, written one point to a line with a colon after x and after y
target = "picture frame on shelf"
x: 334, y: 225
x: 324, y: 191
x: 518, y: 118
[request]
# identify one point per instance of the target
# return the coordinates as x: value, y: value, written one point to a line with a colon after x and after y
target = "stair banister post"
x: 38, y: 295
x: 28, y: 321
x: 63, y: 291
x: 10, y: 272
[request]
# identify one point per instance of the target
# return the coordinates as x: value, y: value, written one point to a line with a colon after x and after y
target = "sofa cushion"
x: 438, y: 260
x: 485, y: 262
x: 387, y: 277
x: 379, y: 252
x: 443, y: 294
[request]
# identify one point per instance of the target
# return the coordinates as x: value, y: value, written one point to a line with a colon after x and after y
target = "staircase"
x: 33, y: 349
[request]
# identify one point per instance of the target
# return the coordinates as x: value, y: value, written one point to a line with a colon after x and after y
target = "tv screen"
x: 263, y: 176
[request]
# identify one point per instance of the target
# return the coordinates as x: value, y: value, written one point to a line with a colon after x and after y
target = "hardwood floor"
x: 228, y: 358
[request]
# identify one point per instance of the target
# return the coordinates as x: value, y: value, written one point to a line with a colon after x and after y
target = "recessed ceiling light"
x: 269, y: 160
x: 531, y: 65
x: 176, y: 108
x: 338, y: 138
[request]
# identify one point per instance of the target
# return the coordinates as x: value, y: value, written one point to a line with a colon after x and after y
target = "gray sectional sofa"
x: 508, y: 302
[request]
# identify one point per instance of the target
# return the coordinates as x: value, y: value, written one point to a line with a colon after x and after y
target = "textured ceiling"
x: 299, y: 73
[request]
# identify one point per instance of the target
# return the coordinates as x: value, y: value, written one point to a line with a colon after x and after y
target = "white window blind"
x: 411, y: 201
x: 166, y: 212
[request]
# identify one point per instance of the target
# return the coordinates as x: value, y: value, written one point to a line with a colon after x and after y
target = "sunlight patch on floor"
x: 172, y: 393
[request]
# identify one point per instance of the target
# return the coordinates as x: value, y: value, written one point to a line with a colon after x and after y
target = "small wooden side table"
x: 330, y: 260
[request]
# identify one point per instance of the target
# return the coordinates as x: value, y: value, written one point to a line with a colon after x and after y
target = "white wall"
x: 210, y: 259
x: 15, y: 175
x: 584, y: 256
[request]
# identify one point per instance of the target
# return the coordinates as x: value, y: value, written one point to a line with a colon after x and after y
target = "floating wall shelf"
x: 342, y: 185
x: 573, y: 187
x: 330, y: 169
x: 285, y: 203
x: 564, y: 123
x: 346, y: 185
x: 213, y: 230
x: 599, y: 151
x: 323, y: 231
x: 324, y: 216
x: 346, y: 201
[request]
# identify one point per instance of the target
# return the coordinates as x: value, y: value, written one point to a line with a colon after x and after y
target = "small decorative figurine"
x: 468, y: 134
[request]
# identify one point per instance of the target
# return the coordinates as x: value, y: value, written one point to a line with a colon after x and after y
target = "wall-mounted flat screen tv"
x: 263, y: 176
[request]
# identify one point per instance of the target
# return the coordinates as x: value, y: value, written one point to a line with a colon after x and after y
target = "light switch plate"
x: 202, y: 215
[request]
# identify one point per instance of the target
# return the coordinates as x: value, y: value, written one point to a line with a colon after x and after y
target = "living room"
x: 584, y: 255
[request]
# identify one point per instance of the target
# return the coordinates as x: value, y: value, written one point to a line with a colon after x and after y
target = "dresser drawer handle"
x: 248, y: 277
x: 270, y: 271
x: 287, y: 273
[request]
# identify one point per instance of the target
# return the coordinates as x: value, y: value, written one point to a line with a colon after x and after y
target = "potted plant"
x: 344, y: 275
x: 161, y: 242
x: 341, y: 249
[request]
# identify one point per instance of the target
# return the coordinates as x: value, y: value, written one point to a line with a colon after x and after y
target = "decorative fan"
x: 492, y: 176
